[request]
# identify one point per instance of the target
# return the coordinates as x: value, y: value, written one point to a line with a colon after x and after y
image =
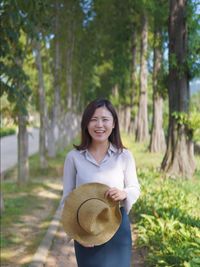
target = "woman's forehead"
x: 102, y: 112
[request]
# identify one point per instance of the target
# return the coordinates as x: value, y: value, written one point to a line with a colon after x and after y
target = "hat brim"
x: 69, y: 214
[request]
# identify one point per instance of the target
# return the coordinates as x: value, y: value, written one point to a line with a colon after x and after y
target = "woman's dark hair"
x: 86, y: 139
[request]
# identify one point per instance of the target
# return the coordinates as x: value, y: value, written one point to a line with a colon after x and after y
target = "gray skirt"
x: 114, y: 253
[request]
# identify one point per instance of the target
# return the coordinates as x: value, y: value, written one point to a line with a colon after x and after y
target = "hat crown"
x: 92, y: 215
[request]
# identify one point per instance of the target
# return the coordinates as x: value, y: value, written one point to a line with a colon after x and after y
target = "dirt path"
x: 62, y: 252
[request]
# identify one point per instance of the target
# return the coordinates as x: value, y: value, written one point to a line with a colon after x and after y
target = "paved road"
x: 9, y: 149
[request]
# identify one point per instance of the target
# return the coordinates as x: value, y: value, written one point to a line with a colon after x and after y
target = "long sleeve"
x: 69, y: 177
x: 131, y: 184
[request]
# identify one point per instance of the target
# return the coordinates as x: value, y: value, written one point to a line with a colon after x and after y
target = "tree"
x: 159, y: 19
x: 142, y: 119
x: 13, y: 79
x: 42, y: 105
x: 157, y: 142
x: 179, y: 156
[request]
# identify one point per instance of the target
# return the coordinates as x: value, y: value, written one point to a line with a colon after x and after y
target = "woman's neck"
x: 99, y: 147
x: 98, y: 151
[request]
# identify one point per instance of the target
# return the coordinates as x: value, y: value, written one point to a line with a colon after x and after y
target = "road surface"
x: 9, y: 148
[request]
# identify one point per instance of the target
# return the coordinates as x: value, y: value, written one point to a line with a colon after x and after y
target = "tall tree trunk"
x: 131, y: 128
x: 142, y: 116
x: 157, y: 142
x: 56, y: 109
x: 42, y: 107
x: 179, y: 157
x: 70, y: 50
x: 23, y: 163
x: 133, y: 67
x: 2, y: 207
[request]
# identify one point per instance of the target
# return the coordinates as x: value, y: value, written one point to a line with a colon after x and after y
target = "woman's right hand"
x: 86, y: 246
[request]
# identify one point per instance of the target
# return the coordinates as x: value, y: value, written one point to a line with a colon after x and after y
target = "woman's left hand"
x: 115, y: 194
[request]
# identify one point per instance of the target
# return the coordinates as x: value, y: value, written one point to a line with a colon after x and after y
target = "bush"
x: 7, y: 131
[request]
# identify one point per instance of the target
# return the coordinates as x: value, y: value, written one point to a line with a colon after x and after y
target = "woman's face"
x: 101, y: 125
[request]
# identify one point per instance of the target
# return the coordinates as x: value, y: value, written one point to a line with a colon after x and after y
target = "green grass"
x: 167, y: 213
x: 29, y: 208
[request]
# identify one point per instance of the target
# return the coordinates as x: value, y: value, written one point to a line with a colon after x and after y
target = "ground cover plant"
x: 167, y: 215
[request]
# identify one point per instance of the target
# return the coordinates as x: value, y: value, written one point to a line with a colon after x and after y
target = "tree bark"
x: 23, y: 163
x: 133, y: 67
x: 56, y: 109
x: 157, y: 142
x: 179, y: 157
x: 2, y: 207
x: 142, y: 116
x: 70, y: 51
x: 42, y: 107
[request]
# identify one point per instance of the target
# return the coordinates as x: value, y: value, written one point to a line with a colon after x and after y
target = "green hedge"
x: 7, y: 131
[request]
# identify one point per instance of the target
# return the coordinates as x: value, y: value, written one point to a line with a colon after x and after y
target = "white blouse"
x: 117, y: 169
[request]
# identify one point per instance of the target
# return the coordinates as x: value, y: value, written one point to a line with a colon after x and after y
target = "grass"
x: 167, y: 213
x: 29, y: 209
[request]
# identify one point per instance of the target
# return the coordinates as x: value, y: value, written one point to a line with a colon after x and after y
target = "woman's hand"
x: 115, y: 194
x: 86, y: 246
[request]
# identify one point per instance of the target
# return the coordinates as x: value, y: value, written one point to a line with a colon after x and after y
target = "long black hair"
x: 86, y: 139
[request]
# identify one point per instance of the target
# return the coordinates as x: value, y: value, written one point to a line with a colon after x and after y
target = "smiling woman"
x: 100, y: 160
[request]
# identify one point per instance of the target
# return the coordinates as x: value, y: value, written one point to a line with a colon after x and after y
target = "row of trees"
x: 57, y: 55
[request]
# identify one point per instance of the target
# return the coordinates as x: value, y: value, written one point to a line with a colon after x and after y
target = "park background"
x: 144, y: 56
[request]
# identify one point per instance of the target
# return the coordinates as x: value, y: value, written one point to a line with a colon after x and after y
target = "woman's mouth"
x: 99, y: 131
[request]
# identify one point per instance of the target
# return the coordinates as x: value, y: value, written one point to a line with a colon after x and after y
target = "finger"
x: 116, y: 198
x: 106, y: 194
x: 114, y: 194
x: 89, y: 246
x: 109, y: 192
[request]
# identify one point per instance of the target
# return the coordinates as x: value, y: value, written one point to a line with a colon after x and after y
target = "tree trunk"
x: 131, y: 127
x: 179, y: 157
x: 134, y: 66
x: 56, y: 110
x: 142, y: 120
x: 127, y: 113
x: 23, y: 164
x: 2, y: 207
x: 70, y: 50
x: 157, y: 142
x: 51, y: 140
x: 42, y: 107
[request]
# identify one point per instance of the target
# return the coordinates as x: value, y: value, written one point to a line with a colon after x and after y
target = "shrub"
x: 7, y: 131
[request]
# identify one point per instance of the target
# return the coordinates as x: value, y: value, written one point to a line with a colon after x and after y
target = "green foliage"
x: 19, y: 21
x: 7, y: 131
x: 191, y: 121
x: 193, y: 18
x: 168, y: 220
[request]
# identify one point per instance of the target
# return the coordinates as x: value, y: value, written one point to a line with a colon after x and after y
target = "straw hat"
x: 89, y: 217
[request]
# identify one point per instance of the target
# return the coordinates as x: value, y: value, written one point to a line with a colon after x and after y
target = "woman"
x: 102, y: 158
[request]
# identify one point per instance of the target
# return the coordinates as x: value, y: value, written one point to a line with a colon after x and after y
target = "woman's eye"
x: 93, y: 119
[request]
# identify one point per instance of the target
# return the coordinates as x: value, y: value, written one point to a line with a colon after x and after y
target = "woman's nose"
x: 99, y: 122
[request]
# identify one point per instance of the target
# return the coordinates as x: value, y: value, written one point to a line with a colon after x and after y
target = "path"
x: 9, y: 149
x: 62, y: 254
